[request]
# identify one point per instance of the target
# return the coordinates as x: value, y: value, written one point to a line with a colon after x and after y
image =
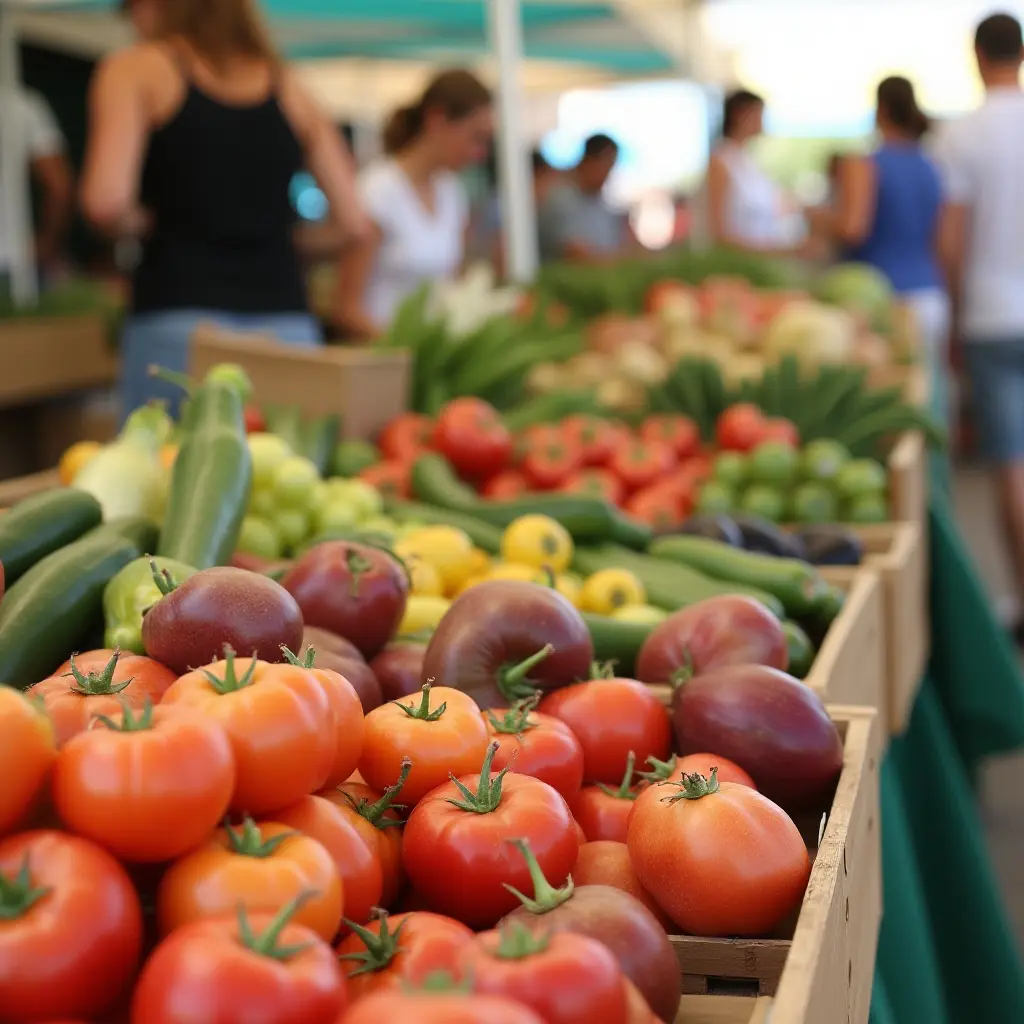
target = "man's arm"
x: 52, y: 174
x: 954, y: 221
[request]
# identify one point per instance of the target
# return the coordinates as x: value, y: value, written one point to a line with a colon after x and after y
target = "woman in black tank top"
x: 195, y: 138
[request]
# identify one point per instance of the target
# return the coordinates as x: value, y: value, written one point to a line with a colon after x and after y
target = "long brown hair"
x: 456, y: 94
x: 898, y: 102
x: 218, y: 30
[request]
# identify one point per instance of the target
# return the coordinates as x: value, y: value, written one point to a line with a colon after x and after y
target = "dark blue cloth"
x: 902, y: 239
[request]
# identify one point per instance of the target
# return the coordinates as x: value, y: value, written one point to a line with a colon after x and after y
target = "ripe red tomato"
x: 259, y: 867
x: 506, y: 485
x: 390, y: 478
x: 537, y: 436
x: 441, y: 732
x: 439, y: 1008
x: 603, y: 811
x: 358, y: 863
x: 660, y: 506
x: 148, y: 787
x: 778, y: 429
x: 255, y: 422
x: 27, y: 753
x: 537, y: 745
x: 393, y: 953
x: 740, y: 428
x: 470, y: 434
x: 405, y: 437
x: 456, y: 848
x: 680, y: 433
x: 566, y: 978
x: 596, y: 483
x: 595, y: 438
x: 676, y: 767
x: 549, y: 465
x: 607, y: 863
x: 254, y: 979
x: 99, y: 683
x: 612, y: 718
x: 71, y: 933
x: 279, y: 721
x: 698, y: 825
x: 640, y: 464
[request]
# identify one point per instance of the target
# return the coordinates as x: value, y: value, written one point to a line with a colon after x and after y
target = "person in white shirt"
x: 51, y: 173
x: 982, y: 159
x: 417, y: 204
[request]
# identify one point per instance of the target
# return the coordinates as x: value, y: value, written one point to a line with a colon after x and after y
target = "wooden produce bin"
x: 898, y: 553
x: 850, y: 666
x: 50, y: 356
x: 908, y: 479
x: 822, y: 971
x: 367, y: 387
x: 22, y: 487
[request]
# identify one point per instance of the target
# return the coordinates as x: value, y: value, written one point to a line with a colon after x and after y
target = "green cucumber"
x: 58, y: 604
x: 796, y: 584
x: 483, y: 535
x: 801, y: 650
x: 550, y: 408
x: 434, y: 482
x: 319, y: 438
x: 617, y: 641
x: 352, y: 457
x: 40, y: 525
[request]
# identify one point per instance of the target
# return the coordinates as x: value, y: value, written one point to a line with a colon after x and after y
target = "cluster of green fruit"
x: 290, y: 504
x: 821, y: 483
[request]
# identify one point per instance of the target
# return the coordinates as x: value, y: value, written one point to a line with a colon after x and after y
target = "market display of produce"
x: 402, y: 742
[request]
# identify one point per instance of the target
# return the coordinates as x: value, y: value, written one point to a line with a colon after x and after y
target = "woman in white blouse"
x: 416, y: 202
x: 742, y: 208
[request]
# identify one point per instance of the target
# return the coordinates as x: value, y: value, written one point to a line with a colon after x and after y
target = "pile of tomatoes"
x: 533, y: 858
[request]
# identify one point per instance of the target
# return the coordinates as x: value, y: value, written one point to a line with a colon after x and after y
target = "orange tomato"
x: 99, y: 683
x: 358, y: 862
x: 147, y: 788
x: 256, y: 867
x: 442, y: 732
x: 607, y: 863
x: 27, y: 753
x: 279, y: 721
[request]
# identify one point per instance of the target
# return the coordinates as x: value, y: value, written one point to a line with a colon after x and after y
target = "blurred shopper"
x: 740, y: 207
x: 50, y: 172
x: 574, y: 221
x: 545, y: 177
x: 982, y: 157
x: 887, y: 212
x: 418, y: 206
x: 195, y: 136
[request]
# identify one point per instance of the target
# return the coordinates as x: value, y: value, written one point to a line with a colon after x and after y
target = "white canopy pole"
x: 14, y: 183
x: 515, y: 175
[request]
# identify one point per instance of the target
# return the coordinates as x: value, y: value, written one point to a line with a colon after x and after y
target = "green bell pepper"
x: 130, y: 594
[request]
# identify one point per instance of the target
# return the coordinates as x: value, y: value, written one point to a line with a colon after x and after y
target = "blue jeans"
x: 995, y: 368
x: 163, y: 339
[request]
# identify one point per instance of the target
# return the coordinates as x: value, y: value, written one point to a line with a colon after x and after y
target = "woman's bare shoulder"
x: 140, y: 62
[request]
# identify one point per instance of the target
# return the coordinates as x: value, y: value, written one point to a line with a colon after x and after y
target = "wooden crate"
x: 22, y: 487
x: 908, y: 479
x: 51, y: 356
x: 850, y: 665
x: 897, y: 551
x: 367, y: 387
x: 822, y: 972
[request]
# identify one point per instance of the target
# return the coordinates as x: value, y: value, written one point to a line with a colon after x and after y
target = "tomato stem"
x: 545, y: 896
x: 181, y: 380
x: 97, y: 683
x: 488, y: 791
x: 266, y: 944
x: 512, y: 679
x: 661, y: 771
x: 516, y: 719
x: 247, y: 841
x: 381, y: 946
x: 422, y: 712
x: 550, y: 580
x: 230, y: 683
x: 358, y: 564
x: 129, y: 723
x: 442, y: 981
x: 684, y: 673
x: 374, y: 813
x: 694, y: 787
x: 625, y: 790
x: 602, y: 670
x: 163, y: 579
x: 308, y: 660
x: 517, y: 942
x: 18, y: 895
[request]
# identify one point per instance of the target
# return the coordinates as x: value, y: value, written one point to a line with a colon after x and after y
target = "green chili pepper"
x: 128, y: 596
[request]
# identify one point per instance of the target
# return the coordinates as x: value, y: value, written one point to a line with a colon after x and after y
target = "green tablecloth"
x: 946, y: 953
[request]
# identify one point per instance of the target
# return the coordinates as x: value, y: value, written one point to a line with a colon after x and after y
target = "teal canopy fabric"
x: 589, y: 33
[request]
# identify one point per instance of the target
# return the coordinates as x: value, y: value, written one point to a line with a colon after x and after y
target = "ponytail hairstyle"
x: 454, y: 94
x: 898, y: 104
